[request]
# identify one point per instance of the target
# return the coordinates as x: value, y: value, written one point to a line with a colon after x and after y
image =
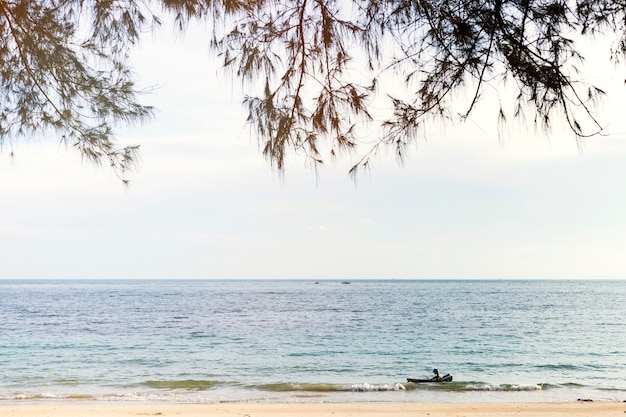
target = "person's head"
x: 436, y: 371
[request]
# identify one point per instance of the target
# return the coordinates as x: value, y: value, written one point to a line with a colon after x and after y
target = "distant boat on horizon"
x: 345, y: 282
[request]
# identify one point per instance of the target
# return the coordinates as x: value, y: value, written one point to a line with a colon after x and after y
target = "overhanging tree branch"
x: 297, y: 61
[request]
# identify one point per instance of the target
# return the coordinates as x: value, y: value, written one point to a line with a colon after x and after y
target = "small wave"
x: 375, y: 387
x: 465, y: 386
x: 364, y: 387
x: 287, y: 386
x: 201, y: 335
x: 396, y: 386
x: 79, y: 397
x: 504, y: 387
x: 45, y: 396
x: 315, y: 353
x: 187, y: 384
x: 39, y: 396
x: 567, y: 367
x: 566, y: 385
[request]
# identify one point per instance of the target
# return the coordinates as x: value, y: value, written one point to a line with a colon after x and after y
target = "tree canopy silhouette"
x: 313, y: 71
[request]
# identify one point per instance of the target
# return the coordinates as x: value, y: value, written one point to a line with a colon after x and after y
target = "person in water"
x: 437, y: 376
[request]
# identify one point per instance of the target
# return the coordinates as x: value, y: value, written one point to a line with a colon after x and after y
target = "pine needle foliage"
x: 316, y: 73
x: 59, y: 74
x: 304, y: 53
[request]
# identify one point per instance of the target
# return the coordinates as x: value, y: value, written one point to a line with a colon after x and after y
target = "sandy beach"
x: 105, y: 409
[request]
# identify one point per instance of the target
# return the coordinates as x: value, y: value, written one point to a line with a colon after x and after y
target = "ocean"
x: 305, y: 341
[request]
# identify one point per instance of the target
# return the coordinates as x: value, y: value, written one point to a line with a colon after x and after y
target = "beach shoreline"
x: 361, y: 409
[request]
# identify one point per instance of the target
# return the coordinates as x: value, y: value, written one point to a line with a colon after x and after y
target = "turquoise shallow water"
x: 208, y: 341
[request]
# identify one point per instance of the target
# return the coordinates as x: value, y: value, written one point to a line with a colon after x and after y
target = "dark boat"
x: 445, y: 378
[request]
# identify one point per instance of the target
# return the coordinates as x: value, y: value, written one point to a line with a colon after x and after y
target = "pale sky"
x: 205, y: 204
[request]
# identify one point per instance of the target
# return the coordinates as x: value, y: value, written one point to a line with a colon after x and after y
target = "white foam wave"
x: 497, y: 387
x: 376, y: 387
x: 28, y: 396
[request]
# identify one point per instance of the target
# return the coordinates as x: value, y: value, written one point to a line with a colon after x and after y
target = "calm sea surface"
x: 301, y: 341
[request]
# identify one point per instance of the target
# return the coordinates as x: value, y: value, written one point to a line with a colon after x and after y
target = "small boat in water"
x: 445, y: 378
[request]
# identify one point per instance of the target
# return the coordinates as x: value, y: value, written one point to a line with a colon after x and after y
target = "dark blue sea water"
x: 294, y: 341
